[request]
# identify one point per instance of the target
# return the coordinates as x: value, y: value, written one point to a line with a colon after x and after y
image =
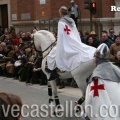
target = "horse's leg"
x: 54, y: 89
x: 80, y: 74
x: 50, y: 92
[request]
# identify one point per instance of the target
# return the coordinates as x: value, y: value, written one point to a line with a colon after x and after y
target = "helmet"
x: 102, y: 52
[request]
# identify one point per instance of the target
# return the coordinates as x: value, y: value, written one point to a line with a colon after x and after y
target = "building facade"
x: 25, y: 14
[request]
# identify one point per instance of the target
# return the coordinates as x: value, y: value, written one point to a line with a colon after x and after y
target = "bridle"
x: 52, y: 45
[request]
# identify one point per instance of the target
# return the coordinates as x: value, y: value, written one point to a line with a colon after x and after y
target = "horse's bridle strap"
x: 53, y: 44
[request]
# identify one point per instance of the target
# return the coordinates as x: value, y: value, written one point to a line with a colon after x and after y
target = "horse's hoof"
x: 50, y: 100
x: 78, y: 109
x: 56, y: 113
x: 61, y: 87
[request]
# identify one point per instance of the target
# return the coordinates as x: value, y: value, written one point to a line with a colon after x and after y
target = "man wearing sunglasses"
x: 111, y: 35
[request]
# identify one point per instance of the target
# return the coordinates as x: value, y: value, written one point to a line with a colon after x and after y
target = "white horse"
x: 44, y: 40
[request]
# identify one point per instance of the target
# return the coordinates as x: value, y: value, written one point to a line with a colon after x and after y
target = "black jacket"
x: 112, y: 38
x: 108, y: 42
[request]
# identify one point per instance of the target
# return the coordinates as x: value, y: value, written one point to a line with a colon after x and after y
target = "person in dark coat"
x: 37, y: 74
x: 95, y: 40
x: 91, y: 42
x: 111, y: 36
x: 106, y: 40
x: 83, y: 39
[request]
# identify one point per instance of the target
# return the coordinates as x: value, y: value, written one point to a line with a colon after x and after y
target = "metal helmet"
x: 102, y: 52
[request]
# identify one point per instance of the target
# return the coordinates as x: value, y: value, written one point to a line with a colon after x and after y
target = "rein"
x: 50, y: 50
x: 52, y: 45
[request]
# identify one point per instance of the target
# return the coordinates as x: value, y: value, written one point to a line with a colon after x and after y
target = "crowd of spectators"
x: 18, y: 58
x: 109, y: 38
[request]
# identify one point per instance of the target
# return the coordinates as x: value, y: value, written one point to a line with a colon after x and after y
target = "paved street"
x: 37, y: 94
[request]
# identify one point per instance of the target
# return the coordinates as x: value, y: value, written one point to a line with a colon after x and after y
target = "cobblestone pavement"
x: 37, y: 94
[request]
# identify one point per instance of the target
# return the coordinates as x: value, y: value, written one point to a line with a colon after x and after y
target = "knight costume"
x: 103, y: 90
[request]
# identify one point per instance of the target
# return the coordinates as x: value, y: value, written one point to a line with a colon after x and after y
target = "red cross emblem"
x: 67, y: 30
x: 96, y: 87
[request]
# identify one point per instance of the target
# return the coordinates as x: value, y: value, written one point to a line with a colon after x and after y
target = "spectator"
x: 90, y: 42
x: 95, y: 40
x: 2, y: 48
x: 17, y: 60
x: 9, y: 103
x: 2, y: 62
x: 16, y: 40
x: 20, y: 32
x: 115, y: 47
x: 106, y: 40
x: 29, y: 66
x: 104, y: 31
x: 26, y: 54
x: 37, y: 74
x: 2, y: 38
x: 74, y: 11
x: 28, y: 36
x: 9, y: 58
x: 8, y: 39
x: 111, y: 36
x: 83, y: 39
x: 20, y: 40
x: 24, y: 37
x: 12, y: 32
x: 118, y: 59
x: 8, y: 51
x: 86, y: 34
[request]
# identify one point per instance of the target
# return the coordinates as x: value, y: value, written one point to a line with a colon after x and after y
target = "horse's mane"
x: 43, y: 39
x: 47, y: 34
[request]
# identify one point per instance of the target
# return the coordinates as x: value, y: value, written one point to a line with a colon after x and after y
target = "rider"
x: 70, y: 51
x: 103, y: 87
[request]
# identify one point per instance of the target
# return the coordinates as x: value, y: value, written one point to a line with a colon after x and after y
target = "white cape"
x: 104, y: 106
x: 70, y: 51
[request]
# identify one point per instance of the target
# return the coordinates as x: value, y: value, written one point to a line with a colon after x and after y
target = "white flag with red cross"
x: 102, y: 100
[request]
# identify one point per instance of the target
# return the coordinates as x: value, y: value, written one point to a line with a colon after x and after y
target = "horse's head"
x: 43, y: 39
